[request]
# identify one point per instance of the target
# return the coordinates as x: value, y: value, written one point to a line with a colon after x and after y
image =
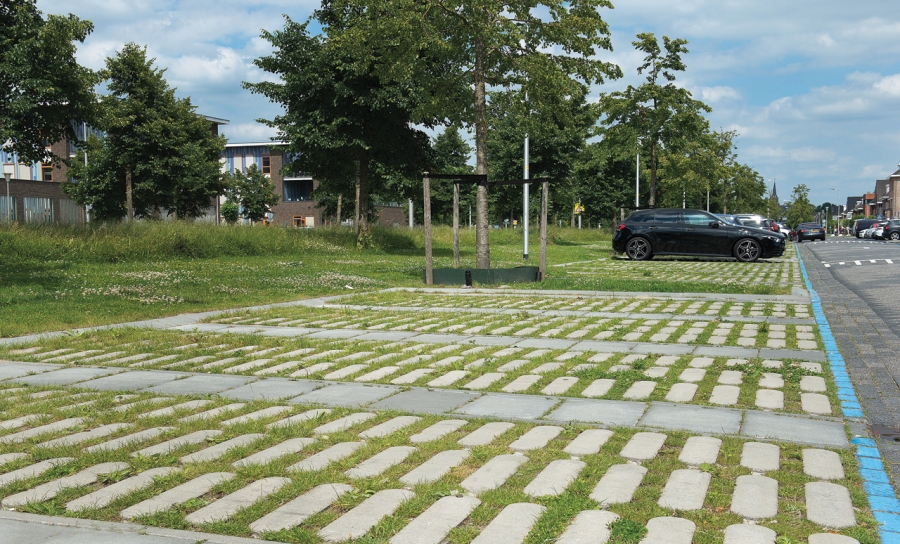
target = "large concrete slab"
x: 613, y: 413
x: 426, y: 401
x: 271, y: 389
x: 346, y: 394
x: 385, y: 336
x: 794, y: 429
x: 508, y: 406
x: 130, y: 381
x: 12, y: 369
x: 805, y: 355
x: 66, y: 376
x: 206, y: 384
x: 699, y: 419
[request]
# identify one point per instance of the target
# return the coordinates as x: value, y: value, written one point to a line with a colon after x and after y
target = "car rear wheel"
x: 895, y: 236
x: 747, y: 250
x: 638, y: 249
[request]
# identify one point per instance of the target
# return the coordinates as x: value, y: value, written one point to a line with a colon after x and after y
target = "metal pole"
x: 455, y: 224
x: 87, y: 211
x: 7, y: 175
x: 707, y: 200
x: 426, y: 212
x: 525, y: 198
x: 411, y: 222
x: 545, y: 196
x: 637, y: 180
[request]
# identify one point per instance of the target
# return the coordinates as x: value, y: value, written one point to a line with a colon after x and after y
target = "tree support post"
x: 545, y: 196
x: 128, y: 205
x: 426, y: 212
x: 456, y: 225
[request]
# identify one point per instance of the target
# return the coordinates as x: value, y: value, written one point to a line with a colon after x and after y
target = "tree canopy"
x: 253, y: 190
x: 42, y: 88
x: 800, y: 209
x: 157, y: 150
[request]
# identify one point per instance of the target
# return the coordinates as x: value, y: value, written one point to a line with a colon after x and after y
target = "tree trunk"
x: 128, y: 205
x: 724, y: 195
x: 340, y: 197
x: 482, y: 244
x: 363, y: 230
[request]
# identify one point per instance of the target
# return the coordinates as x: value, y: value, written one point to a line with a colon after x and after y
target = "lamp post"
x: 7, y: 175
x: 839, y: 211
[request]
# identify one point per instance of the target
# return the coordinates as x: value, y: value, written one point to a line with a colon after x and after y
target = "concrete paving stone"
x: 829, y: 505
x: 344, y: 372
x: 565, y: 356
x: 378, y: 374
x: 588, y: 527
x: 682, y: 392
x: 229, y: 505
x: 701, y: 362
x: 685, y: 490
x: 536, y: 438
x: 755, y: 497
x: 290, y: 446
x: 447, y: 361
x: 327, y: 456
x: 731, y: 377
x: 770, y: 399
x: 221, y: 449
x: 669, y: 530
x: 769, y: 363
x: 311, y: 369
x: 830, y: 538
x: 745, y: 533
x: 42, y: 394
x: 358, y: 521
x: 217, y: 363
x: 619, y: 368
x: 601, y: 357
x: 555, y: 478
x: 215, y: 412
x: 433, y: 525
x: 271, y: 411
x: 30, y: 471
x: 250, y: 365
x: 812, y: 367
x: 275, y: 369
x: 412, y: 377
x: 270, y: 389
x: 633, y: 358
x: 822, y: 464
x: 10, y: 457
x: 643, y: 446
x: 692, y: 375
x: 521, y: 383
x: 192, y: 489
x: 656, y: 372
x: 515, y: 364
x: 598, y: 387
x: 559, y: 385
x: 380, y: 462
x: 20, y: 421
x: 66, y: 376
x: 169, y: 410
x: 125, y: 441
x: 389, y: 427
x: 426, y: 402
x: 132, y: 380
x: 771, y: 380
x: 666, y: 360
x: 813, y: 384
x: 700, y: 449
x: 435, y: 468
x: 346, y: 394
x: 485, y: 434
x: 49, y: 490
x: 102, y: 497
x: 11, y: 369
x: 56, y: 426
x: 639, y: 390
x: 207, y: 384
x: 300, y: 509
x: 494, y: 473
x: 448, y: 379
x: 547, y: 367
x: 807, y: 344
x: 511, y: 525
x: 588, y: 442
x: 437, y: 431
x: 784, y: 427
x: 508, y: 406
x: 618, y: 484
x: 343, y: 423
x: 815, y: 403
x: 613, y: 413
x: 84, y: 436
x: 760, y: 456
x: 724, y: 395
x: 196, y: 437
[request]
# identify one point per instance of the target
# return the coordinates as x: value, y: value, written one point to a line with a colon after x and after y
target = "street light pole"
x: 7, y: 175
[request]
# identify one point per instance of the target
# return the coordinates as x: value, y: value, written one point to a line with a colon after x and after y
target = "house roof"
x: 255, y: 144
x: 216, y: 120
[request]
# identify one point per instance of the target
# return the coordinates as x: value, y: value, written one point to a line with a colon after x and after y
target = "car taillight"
x: 802, y: 231
x: 621, y: 226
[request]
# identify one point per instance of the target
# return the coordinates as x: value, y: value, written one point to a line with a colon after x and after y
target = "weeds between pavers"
x: 790, y: 523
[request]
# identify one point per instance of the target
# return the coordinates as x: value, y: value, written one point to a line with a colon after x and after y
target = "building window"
x: 46, y: 171
x: 296, y: 190
x: 38, y: 210
x: 266, y: 164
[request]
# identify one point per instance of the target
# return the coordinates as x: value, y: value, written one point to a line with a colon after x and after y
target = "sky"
x: 811, y: 86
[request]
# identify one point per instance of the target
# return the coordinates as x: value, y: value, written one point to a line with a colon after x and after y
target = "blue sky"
x: 812, y: 86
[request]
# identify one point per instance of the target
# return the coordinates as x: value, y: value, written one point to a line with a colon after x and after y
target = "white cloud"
x: 712, y: 95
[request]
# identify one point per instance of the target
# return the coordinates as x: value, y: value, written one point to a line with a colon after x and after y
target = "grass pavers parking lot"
x: 620, y: 447
x: 686, y: 379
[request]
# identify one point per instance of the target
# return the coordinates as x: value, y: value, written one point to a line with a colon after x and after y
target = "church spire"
x: 774, y: 193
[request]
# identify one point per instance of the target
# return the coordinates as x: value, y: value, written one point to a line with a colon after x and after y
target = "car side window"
x: 698, y: 219
x: 667, y: 217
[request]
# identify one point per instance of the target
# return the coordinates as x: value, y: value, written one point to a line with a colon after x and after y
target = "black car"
x: 860, y: 225
x: 810, y: 231
x: 891, y: 230
x: 674, y: 231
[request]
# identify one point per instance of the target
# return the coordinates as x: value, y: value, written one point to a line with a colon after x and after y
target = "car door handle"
x: 652, y: 228
x: 691, y: 229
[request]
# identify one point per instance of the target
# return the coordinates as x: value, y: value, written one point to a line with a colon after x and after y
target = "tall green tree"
x: 801, y: 209
x: 254, y: 191
x: 603, y: 181
x: 658, y: 115
x: 343, y: 126
x: 157, y: 153
x: 42, y: 87
x: 544, y: 46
